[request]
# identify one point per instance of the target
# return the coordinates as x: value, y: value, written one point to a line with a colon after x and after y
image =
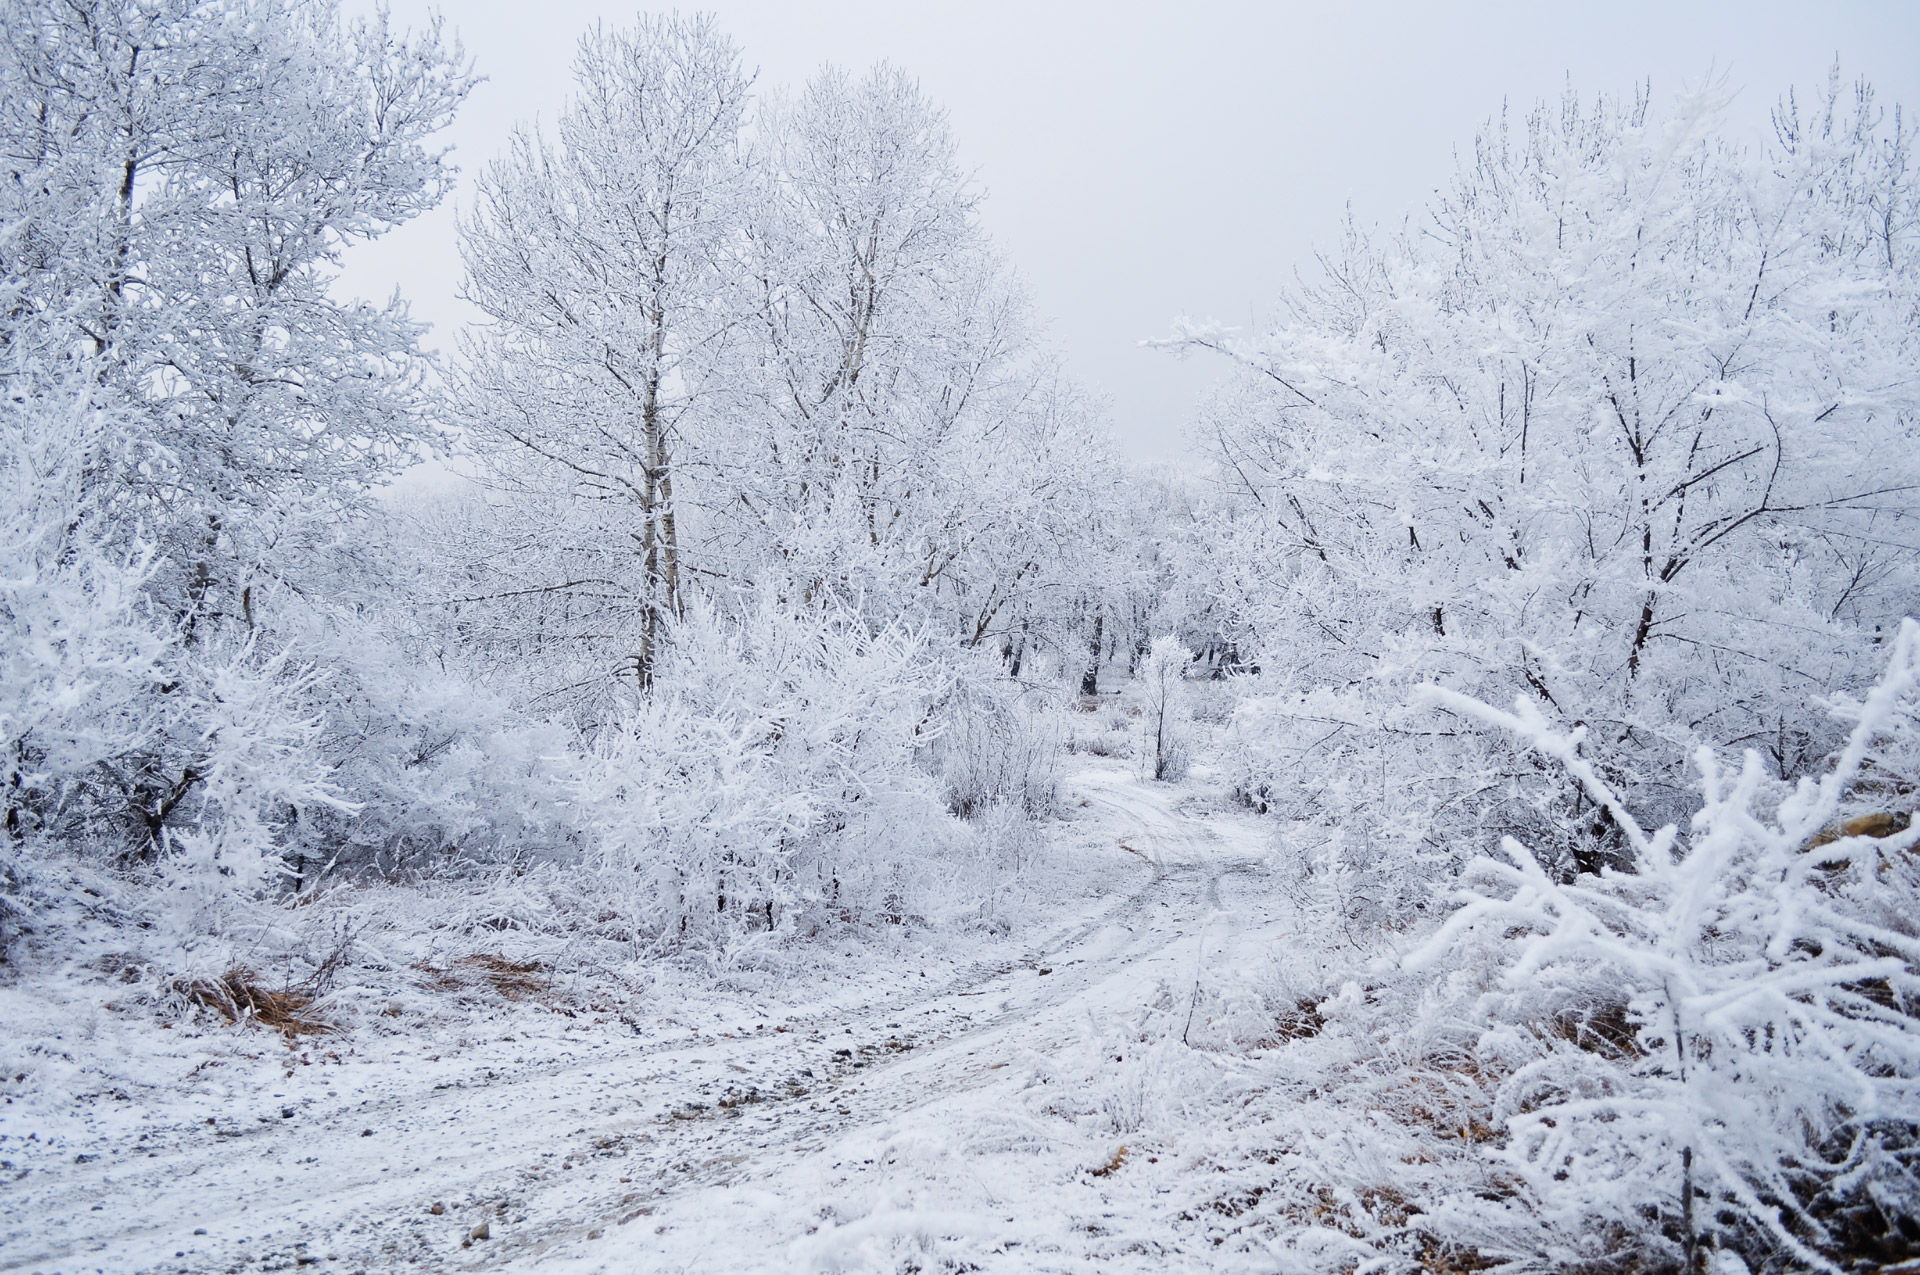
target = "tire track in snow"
x: 611, y: 1114
x: 1189, y: 860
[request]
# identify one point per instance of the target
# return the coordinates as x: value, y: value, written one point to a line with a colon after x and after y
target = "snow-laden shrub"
x: 438, y: 768
x: 1166, y: 722
x: 255, y: 770
x: 768, y: 783
x: 1741, y: 1004
x: 1012, y: 839
x: 76, y: 651
x: 996, y: 743
x: 1380, y: 807
x: 1363, y: 771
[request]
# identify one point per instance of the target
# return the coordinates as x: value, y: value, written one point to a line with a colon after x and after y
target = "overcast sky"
x: 1143, y: 162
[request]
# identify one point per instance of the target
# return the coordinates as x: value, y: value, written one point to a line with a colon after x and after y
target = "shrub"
x: 1770, y: 976
x: 768, y: 782
x: 997, y: 744
x: 1165, y: 722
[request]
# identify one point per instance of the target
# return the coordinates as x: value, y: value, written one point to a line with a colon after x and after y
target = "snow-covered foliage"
x: 799, y: 635
x: 768, y: 786
x: 1165, y: 719
x: 257, y: 768
x: 439, y: 765
x: 182, y: 180
x: 1741, y: 1000
x: 80, y: 653
x: 996, y: 743
x: 1620, y: 423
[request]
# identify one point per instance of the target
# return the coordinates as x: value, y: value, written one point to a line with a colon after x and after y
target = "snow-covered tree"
x: 734, y: 354
x: 1625, y: 423
x: 884, y: 323
x: 181, y: 180
x: 1164, y: 720
x: 602, y: 261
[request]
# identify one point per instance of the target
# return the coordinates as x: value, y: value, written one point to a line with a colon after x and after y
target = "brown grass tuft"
x: 239, y: 998
x: 514, y: 980
x: 1443, y: 1258
x: 1605, y: 1029
x: 1301, y: 1022
x: 1451, y: 1100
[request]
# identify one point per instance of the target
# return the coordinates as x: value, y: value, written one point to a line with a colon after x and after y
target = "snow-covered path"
x: 823, y: 1142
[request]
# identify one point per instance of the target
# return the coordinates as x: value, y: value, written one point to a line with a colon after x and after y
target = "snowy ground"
x: 1010, y: 1115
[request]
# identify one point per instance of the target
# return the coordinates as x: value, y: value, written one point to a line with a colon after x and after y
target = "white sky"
x: 1143, y: 162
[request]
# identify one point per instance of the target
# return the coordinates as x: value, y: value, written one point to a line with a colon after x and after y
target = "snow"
x: 809, y: 806
x: 964, y: 1112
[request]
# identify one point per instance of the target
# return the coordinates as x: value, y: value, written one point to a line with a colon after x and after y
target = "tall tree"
x: 181, y: 179
x: 600, y: 260
x: 907, y: 442
x: 1627, y: 427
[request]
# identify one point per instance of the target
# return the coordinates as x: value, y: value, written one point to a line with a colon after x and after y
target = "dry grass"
x: 512, y: 980
x: 1113, y: 1165
x: 1302, y: 1022
x: 1378, y: 1208
x: 1604, y: 1029
x: 238, y: 997
x: 1443, y: 1258
x: 1449, y: 1097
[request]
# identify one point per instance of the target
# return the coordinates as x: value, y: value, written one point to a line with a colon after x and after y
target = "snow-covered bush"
x: 1166, y: 725
x: 1398, y: 804
x: 256, y: 769
x: 996, y: 743
x: 1103, y: 728
x: 78, y: 655
x: 440, y: 767
x: 1742, y: 1004
x: 767, y: 785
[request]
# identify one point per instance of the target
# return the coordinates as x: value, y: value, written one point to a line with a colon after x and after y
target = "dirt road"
x: 777, y: 1147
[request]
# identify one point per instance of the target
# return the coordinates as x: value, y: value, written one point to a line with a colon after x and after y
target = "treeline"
x: 789, y: 545
x: 787, y: 523
x: 1573, y: 529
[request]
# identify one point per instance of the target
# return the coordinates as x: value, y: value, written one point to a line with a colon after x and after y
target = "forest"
x: 1461, y: 821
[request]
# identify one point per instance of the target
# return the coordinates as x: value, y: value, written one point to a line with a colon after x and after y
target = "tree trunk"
x: 659, y: 539
x: 1686, y: 1210
x: 1090, y: 680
